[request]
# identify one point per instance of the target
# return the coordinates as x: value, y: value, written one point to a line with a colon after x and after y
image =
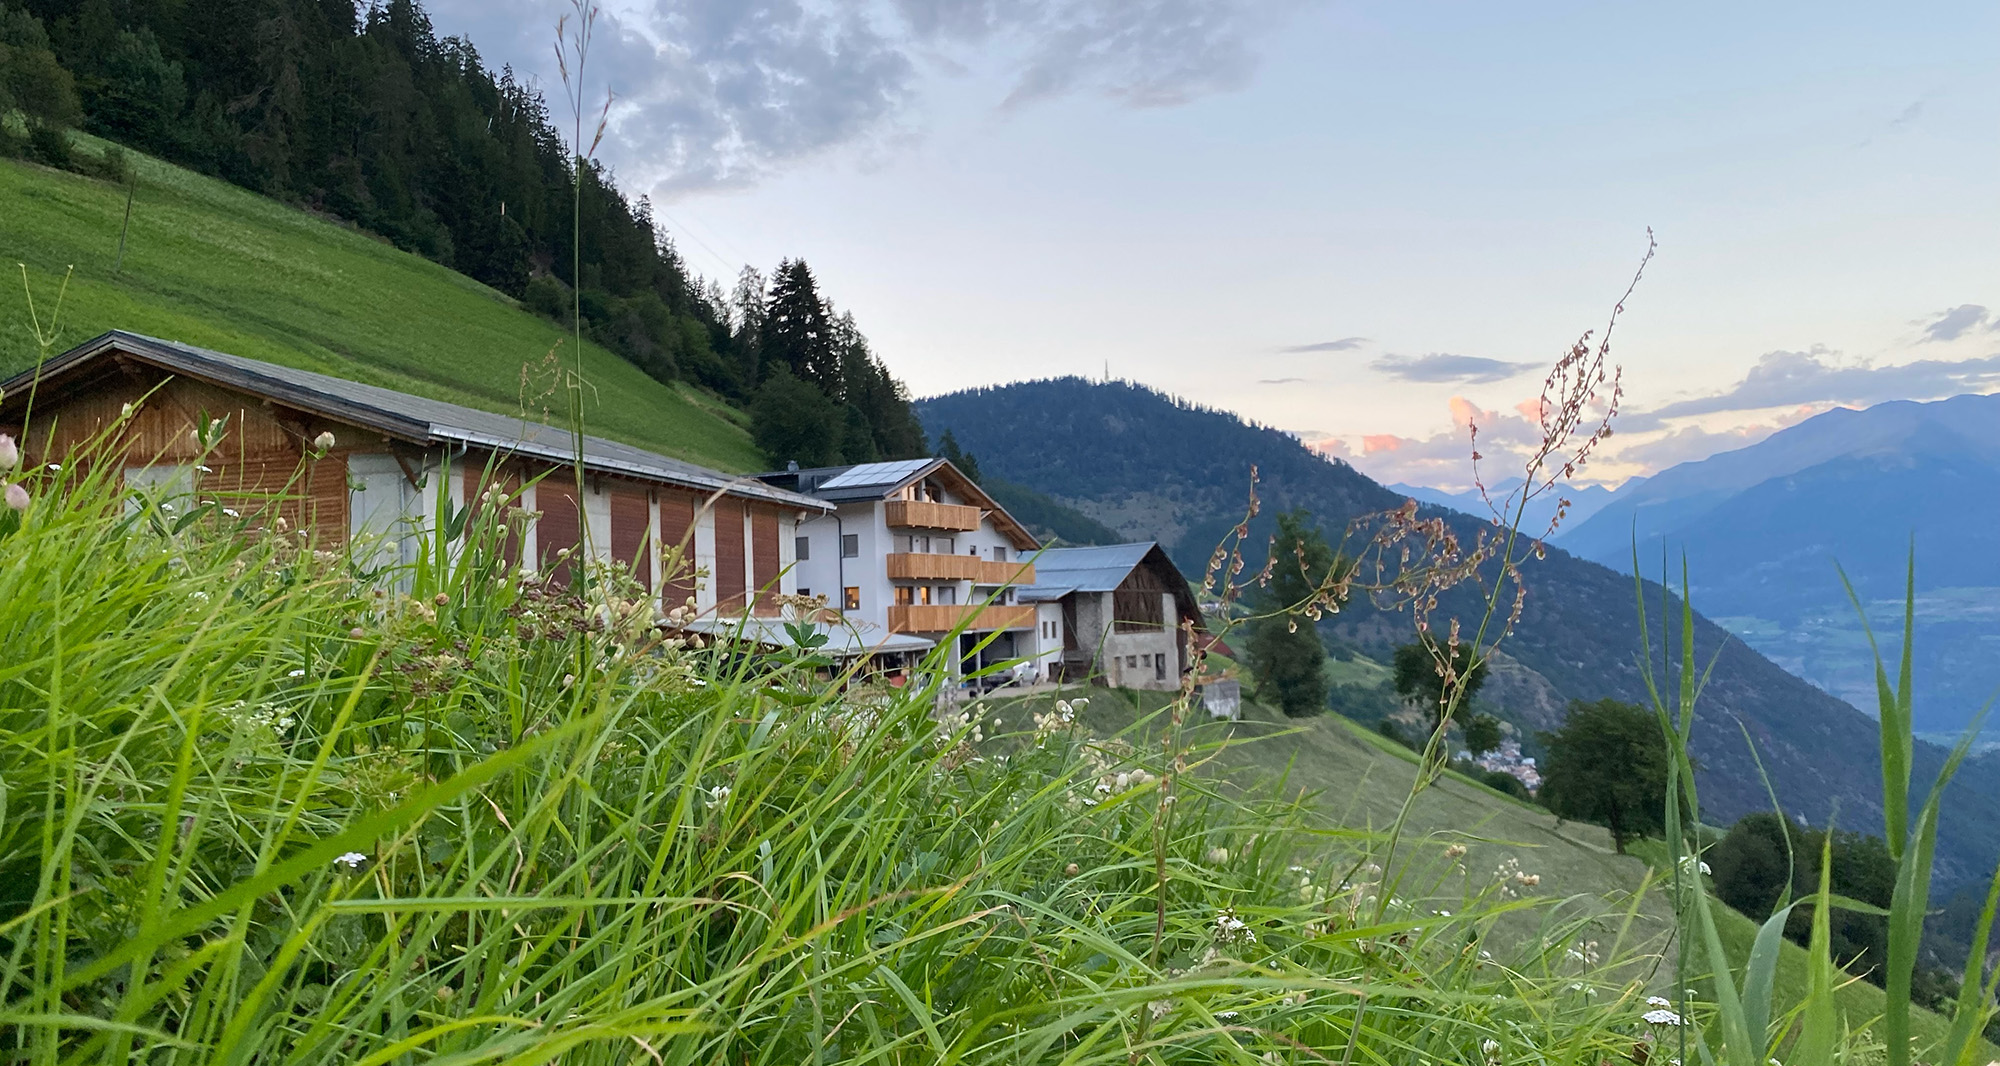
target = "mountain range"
x: 1154, y: 467
x: 1584, y: 501
x: 1763, y: 528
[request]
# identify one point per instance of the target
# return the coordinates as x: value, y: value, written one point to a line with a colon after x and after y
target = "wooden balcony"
x: 915, y: 514
x: 942, y: 617
x: 907, y: 566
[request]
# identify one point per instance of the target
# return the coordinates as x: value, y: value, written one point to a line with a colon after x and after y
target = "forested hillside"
x: 1156, y: 467
x: 365, y: 115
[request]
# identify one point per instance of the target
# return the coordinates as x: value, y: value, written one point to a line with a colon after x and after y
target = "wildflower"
x: 1226, y: 1015
x: 1124, y: 781
x: 717, y: 796
x: 1229, y: 929
x: 1160, y: 1008
x: 1072, y: 870
x: 1454, y: 851
x: 231, y: 512
x: 1528, y: 880
x: 125, y: 411
x: 1218, y: 856
x: 323, y: 442
x: 1658, y: 1001
x: 17, y: 497
x: 1491, y: 1049
x: 568, y: 680
x: 55, y: 468
x: 10, y: 453
x: 356, y: 633
x: 296, y: 673
x: 1661, y: 1016
x: 352, y: 860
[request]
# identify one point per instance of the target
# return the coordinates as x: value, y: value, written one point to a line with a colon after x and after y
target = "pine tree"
x: 1285, y: 652
x: 746, y: 306
x: 797, y: 334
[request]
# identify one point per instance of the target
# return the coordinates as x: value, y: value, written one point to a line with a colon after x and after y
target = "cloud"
x: 1792, y: 379
x: 1344, y: 344
x: 1440, y: 367
x: 1281, y: 381
x: 726, y: 92
x: 1955, y: 323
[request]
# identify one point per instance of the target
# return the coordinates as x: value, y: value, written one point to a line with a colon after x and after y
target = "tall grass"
x: 1747, y: 1031
x: 259, y: 806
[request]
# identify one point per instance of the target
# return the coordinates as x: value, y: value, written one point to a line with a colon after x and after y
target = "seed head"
x: 10, y: 453
x: 17, y: 497
x: 323, y: 442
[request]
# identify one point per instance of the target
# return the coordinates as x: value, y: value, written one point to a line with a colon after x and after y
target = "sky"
x: 1369, y: 224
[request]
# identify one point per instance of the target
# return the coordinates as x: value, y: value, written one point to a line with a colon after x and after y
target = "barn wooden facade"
x: 361, y: 466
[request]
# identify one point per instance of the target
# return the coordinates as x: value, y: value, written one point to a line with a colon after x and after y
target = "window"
x: 905, y: 596
x: 947, y: 594
x: 1159, y: 668
x: 850, y: 545
x: 902, y: 543
x: 999, y: 553
x: 1132, y: 662
x: 805, y: 594
x: 803, y: 551
x: 850, y: 598
x: 923, y: 594
x: 1145, y: 660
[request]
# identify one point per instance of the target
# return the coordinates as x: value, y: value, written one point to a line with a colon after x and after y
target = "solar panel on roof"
x: 875, y: 474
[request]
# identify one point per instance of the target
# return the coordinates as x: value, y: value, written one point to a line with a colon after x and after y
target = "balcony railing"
x: 942, y: 617
x: 919, y: 566
x: 916, y: 514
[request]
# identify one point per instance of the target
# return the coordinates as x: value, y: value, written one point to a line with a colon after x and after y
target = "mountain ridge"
x: 1127, y: 455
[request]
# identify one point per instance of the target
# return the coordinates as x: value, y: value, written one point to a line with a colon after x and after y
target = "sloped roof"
x: 399, y: 414
x: 876, y: 481
x: 1100, y: 568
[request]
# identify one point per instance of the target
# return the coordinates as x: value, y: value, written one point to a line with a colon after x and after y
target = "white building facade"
x: 915, y: 548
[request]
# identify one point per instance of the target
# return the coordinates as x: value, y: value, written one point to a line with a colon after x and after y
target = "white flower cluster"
x: 1057, y: 718
x: 1661, y: 1016
x: 1512, y: 878
x: 1584, y: 952
x: 1229, y: 929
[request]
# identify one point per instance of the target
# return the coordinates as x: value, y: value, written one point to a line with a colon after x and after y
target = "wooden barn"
x: 361, y: 465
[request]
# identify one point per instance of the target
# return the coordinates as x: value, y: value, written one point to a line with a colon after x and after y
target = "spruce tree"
x: 797, y: 334
x: 1285, y: 652
x: 965, y: 462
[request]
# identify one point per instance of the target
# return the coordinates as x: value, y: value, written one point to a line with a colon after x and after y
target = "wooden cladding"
x: 764, y: 558
x: 559, y: 530
x: 940, y: 618
x: 676, y: 548
x: 918, y: 566
x: 631, y: 521
x: 917, y: 514
x: 728, y: 577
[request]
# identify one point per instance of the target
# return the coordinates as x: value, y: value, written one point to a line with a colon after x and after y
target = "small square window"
x: 851, y: 598
x: 803, y: 550
x: 805, y: 594
x: 999, y: 554
x: 1132, y: 662
x: 850, y: 546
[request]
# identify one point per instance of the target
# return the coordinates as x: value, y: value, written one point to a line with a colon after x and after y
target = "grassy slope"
x: 1362, y: 779
x: 210, y: 264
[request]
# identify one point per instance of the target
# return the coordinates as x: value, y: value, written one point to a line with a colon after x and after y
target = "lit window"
x: 905, y: 595
x: 850, y: 545
x: 851, y: 598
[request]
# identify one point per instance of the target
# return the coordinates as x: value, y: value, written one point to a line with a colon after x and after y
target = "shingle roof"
x: 400, y: 414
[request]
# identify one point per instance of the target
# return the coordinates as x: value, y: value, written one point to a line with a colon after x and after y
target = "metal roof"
x: 413, y: 418
x: 1102, y: 568
x: 843, y: 641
